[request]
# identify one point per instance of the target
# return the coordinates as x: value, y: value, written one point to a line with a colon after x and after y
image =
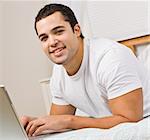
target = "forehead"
x: 51, y: 21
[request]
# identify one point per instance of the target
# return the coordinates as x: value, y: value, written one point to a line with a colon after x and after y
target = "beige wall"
x: 24, y: 62
x: 149, y: 16
x: 1, y: 58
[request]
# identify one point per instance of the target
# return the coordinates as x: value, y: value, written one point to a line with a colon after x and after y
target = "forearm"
x: 77, y: 122
x: 59, y: 123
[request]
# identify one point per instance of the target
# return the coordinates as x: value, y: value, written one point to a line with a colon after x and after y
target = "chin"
x: 59, y: 62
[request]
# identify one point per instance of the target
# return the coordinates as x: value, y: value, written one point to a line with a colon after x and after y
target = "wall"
x: 118, y: 20
x: 1, y: 53
x: 149, y: 17
x: 24, y: 62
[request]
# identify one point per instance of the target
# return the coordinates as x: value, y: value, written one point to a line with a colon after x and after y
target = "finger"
x: 32, y: 129
x: 39, y: 130
x: 28, y: 127
x: 35, y: 125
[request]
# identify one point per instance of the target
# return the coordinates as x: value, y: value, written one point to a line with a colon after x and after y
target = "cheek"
x: 66, y: 38
x: 45, y: 48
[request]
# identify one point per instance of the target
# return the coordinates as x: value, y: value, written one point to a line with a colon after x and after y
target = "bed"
x: 124, y: 131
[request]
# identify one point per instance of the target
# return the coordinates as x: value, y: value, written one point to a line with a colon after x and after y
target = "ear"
x: 77, y: 30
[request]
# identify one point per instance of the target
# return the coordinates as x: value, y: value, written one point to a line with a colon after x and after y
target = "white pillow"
x: 144, y: 57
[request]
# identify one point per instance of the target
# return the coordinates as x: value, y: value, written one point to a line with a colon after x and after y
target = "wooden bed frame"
x: 133, y: 42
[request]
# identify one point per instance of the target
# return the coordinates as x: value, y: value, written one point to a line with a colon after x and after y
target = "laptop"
x: 10, y: 126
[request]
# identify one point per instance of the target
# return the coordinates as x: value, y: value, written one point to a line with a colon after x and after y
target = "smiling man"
x: 100, y: 77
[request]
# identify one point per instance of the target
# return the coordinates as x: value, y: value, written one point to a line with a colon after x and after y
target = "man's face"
x: 58, y: 40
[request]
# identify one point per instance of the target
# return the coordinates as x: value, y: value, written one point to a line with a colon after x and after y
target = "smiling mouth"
x: 58, y: 50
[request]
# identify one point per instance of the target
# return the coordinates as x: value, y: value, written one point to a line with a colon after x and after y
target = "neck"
x: 73, y: 67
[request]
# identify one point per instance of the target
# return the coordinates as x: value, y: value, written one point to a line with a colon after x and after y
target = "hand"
x: 55, y: 123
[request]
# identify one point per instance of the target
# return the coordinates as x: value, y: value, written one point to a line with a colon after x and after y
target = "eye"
x: 59, y: 32
x: 44, y: 38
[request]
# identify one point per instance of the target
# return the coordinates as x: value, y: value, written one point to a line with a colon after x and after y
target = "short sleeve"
x: 56, y: 88
x: 118, y: 72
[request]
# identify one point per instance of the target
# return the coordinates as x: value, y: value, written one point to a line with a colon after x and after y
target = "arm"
x: 126, y: 108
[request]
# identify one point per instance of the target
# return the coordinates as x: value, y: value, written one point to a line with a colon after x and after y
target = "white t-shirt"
x: 108, y: 70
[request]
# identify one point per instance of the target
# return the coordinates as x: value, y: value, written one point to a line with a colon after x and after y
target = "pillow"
x: 144, y: 57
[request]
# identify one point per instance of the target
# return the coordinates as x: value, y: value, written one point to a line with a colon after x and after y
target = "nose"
x: 52, y: 41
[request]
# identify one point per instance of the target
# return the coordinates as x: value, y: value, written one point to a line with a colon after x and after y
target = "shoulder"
x: 107, y: 56
x: 104, y: 51
x: 100, y: 44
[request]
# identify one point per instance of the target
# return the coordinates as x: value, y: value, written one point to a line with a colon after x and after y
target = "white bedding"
x: 144, y: 57
x: 124, y: 131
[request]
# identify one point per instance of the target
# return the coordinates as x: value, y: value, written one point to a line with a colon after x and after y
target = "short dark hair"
x: 49, y: 9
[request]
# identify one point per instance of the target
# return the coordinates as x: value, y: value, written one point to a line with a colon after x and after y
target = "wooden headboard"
x: 133, y: 42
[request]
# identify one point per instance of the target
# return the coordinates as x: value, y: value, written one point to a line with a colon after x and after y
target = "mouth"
x: 58, y: 50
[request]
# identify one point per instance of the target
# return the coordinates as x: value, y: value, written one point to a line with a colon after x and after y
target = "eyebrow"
x: 41, y: 35
x: 55, y: 28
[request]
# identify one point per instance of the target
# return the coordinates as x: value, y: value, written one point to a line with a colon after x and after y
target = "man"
x: 100, y: 77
